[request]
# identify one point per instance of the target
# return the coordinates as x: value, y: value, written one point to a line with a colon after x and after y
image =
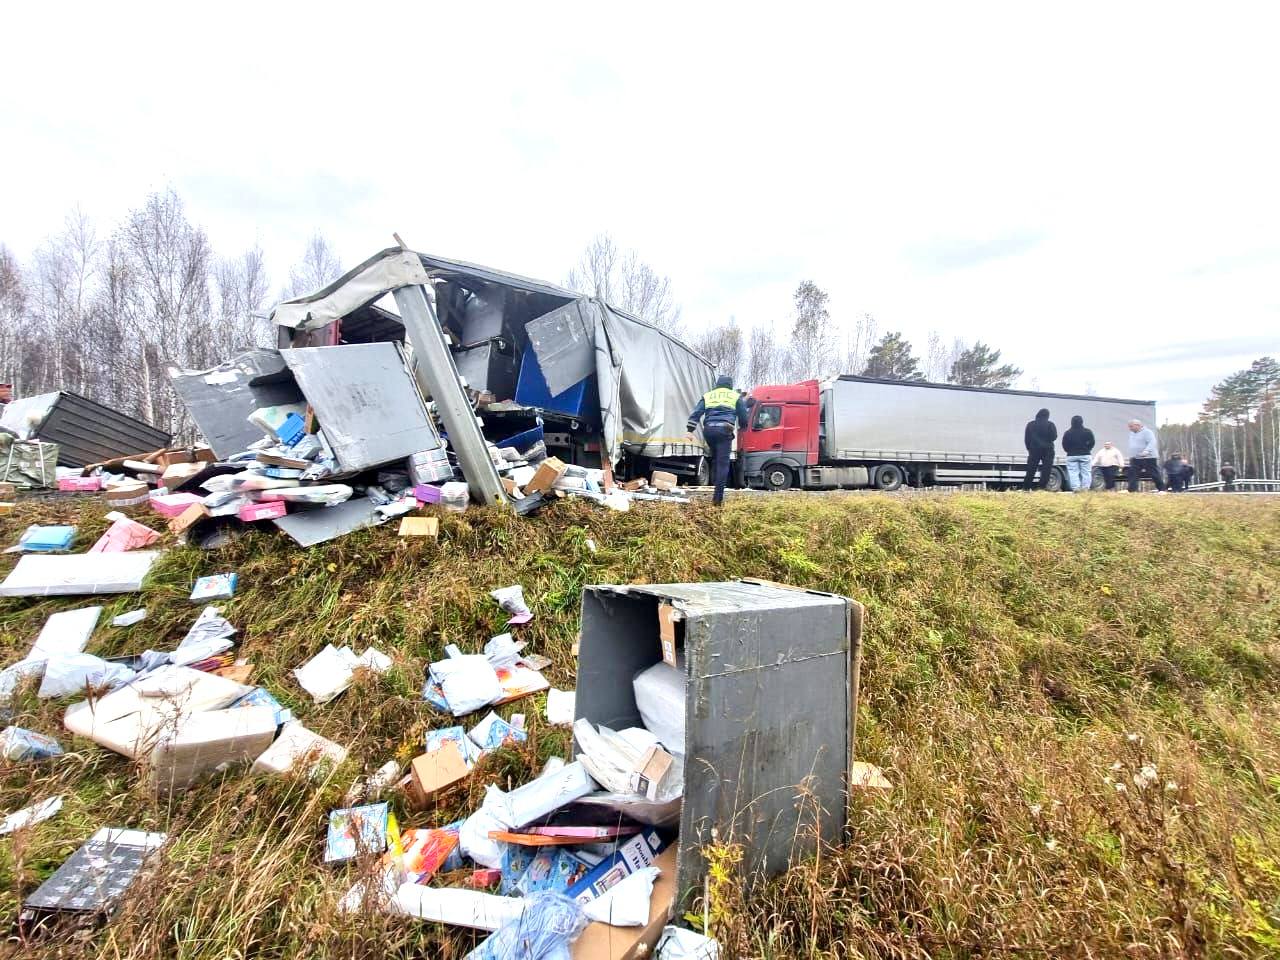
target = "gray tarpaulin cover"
x: 648, y: 381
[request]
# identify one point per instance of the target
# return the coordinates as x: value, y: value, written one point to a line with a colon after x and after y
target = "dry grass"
x: 1025, y: 657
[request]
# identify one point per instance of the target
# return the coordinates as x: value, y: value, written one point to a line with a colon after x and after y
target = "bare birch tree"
x: 318, y: 268
x: 723, y: 345
x: 623, y: 280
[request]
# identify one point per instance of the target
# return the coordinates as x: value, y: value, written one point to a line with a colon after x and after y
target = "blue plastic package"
x: 550, y: 923
x: 19, y: 744
x: 40, y: 539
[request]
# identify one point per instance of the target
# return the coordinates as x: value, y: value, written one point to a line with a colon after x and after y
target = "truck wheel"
x: 1056, y: 482
x: 704, y: 471
x: 777, y: 477
x: 1096, y: 480
x: 888, y: 477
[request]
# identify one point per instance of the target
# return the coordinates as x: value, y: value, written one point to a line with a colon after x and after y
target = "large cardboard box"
x: 8, y: 491
x: 600, y: 941
x: 662, y: 480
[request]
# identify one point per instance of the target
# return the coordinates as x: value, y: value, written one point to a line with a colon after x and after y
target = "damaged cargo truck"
x: 540, y: 364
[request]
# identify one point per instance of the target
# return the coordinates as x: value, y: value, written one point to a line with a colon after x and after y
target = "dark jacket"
x: 1227, y: 473
x: 722, y: 406
x: 1040, y: 433
x: 1176, y: 467
x: 1078, y: 440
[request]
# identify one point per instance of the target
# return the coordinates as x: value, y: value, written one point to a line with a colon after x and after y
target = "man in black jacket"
x: 1039, y: 438
x: 1228, y: 475
x: 721, y: 410
x: 1078, y: 443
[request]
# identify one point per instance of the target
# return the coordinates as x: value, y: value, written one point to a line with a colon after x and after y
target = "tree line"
x: 812, y: 345
x: 105, y: 312
x: 1239, y: 422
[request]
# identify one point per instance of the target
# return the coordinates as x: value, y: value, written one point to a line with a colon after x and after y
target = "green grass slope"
x: 1075, y: 698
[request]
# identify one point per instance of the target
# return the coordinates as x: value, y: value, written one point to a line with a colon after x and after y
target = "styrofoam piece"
x: 65, y: 633
x: 130, y: 618
x: 297, y: 745
x: 205, y: 740
x: 29, y: 816
x: 79, y: 574
x: 458, y: 907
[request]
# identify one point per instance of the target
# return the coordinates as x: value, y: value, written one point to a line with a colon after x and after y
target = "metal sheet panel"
x: 879, y: 420
x: 309, y: 527
x: 221, y: 398
x: 366, y: 402
x: 86, y: 431
x: 564, y: 341
x: 769, y: 710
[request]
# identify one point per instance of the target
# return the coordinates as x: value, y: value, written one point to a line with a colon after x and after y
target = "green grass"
x: 1013, y: 643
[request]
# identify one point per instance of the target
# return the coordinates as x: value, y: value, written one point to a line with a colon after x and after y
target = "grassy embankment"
x: 1076, y: 700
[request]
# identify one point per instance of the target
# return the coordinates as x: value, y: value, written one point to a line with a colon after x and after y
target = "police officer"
x: 720, y: 410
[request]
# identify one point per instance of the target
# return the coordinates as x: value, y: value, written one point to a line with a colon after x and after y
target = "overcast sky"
x: 1093, y: 189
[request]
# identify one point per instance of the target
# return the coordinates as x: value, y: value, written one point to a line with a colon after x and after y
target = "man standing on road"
x: 1144, y: 456
x: 1228, y: 477
x: 1178, y: 472
x: 721, y: 410
x: 1078, y: 442
x: 1039, y: 438
x: 1109, y: 460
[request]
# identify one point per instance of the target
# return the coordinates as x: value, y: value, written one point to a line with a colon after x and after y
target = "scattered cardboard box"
x: 183, y: 521
x: 544, y: 478
x: 662, y: 480
x: 600, y: 941
x: 867, y: 776
x: 420, y: 527
x: 239, y: 672
x: 5, y: 508
x: 513, y: 490
x: 173, y: 504
x: 651, y: 772
x: 667, y: 616
x: 634, y: 485
x: 8, y: 491
x: 434, y: 774
x: 179, y: 472
x: 79, y: 484
x: 130, y: 493
x: 270, y: 510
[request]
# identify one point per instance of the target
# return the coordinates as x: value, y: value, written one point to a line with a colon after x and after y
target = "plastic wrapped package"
x: 19, y: 744
x: 64, y: 676
x: 626, y: 903
x: 511, y: 599
x: 468, y: 682
x: 678, y: 943
x: 659, y: 694
x: 540, y: 796
x: 545, y: 929
x: 455, y: 496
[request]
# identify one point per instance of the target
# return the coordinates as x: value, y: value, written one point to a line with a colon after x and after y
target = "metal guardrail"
x: 1240, y: 486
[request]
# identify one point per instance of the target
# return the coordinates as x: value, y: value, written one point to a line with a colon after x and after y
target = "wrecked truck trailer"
x: 542, y: 363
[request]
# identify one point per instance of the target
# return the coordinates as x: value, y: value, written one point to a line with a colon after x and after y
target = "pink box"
x: 173, y: 504
x: 426, y: 494
x: 80, y: 484
x: 261, y: 511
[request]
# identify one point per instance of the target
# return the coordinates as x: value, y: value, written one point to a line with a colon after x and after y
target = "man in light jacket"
x: 1109, y: 460
x: 1144, y: 456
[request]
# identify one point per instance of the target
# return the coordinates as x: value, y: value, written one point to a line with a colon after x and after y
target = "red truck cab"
x: 782, y: 435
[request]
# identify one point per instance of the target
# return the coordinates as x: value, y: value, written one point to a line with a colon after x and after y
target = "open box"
x: 771, y: 688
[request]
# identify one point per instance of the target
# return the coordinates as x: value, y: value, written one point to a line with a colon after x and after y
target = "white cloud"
x: 1079, y: 186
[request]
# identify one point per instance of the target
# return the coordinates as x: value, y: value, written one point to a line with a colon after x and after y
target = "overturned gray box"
x: 771, y: 691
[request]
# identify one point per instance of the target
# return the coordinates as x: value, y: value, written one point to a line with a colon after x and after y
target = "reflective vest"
x: 720, y: 397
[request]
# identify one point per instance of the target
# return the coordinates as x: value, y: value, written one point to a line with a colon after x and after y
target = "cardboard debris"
x: 420, y: 527
x: 434, y: 774
x: 130, y: 493
x: 601, y: 941
x: 173, y: 504
x: 667, y: 616
x: 662, y: 480
x: 545, y: 477
x: 867, y: 776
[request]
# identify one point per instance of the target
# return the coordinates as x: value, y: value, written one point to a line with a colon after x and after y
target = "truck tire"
x: 777, y: 476
x: 704, y: 471
x: 1057, y: 481
x: 1096, y: 480
x: 888, y: 477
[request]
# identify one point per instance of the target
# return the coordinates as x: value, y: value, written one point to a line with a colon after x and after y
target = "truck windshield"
x: 766, y: 417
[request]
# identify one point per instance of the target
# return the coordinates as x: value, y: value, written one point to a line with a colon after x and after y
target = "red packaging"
x: 261, y: 511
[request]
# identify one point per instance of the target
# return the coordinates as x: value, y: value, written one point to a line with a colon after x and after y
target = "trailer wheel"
x: 704, y: 471
x: 777, y: 477
x: 888, y: 477
x: 1056, y: 482
x: 1096, y: 480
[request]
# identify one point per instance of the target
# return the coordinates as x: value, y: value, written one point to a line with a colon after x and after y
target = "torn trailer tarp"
x: 648, y: 381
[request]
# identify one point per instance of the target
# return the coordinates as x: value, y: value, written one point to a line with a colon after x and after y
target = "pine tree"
x: 891, y: 359
x: 979, y: 366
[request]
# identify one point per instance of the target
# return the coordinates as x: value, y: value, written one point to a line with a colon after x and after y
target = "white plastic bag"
x: 473, y: 835
x: 511, y: 599
x: 64, y: 676
x: 468, y: 682
x: 561, y: 706
x: 659, y: 694
x: 678, y: 943
x: 540, y: 796
x: 626, y: 903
